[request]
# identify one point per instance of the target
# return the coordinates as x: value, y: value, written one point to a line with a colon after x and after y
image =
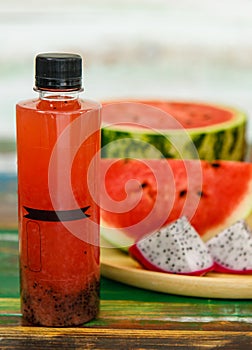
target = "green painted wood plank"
x: 157, y: 310
x: 110, y: 290
x: 146, y: 315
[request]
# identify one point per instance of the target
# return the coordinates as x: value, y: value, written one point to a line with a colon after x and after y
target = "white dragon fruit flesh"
x: 176, y: 248
x: 231, y: 249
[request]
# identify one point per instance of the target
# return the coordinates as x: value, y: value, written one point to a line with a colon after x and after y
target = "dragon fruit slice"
x: 231, y: 249
x: 176, y: 248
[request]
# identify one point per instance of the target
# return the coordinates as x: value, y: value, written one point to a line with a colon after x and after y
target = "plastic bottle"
x: 58, y: 142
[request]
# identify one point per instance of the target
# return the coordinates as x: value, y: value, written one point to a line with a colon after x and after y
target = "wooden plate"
x: 119, y: 266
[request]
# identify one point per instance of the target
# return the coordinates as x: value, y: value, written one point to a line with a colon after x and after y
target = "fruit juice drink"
x: 58, y: 138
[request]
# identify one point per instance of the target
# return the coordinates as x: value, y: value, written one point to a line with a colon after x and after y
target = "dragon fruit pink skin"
x: 176, y: 248
x: 231, y: 249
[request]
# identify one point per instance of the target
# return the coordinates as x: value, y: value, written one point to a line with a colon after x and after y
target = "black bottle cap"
x: 58, y: 71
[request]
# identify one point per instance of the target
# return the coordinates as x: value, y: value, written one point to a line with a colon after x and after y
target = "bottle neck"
x: 48, y: 95
x: 59, y: 101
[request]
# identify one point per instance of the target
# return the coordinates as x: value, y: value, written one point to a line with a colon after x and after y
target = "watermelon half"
x: 140, y: 196
x: 163, y: 129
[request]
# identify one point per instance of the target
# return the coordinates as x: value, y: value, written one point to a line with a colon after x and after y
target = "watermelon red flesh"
x: 212, y: 195
x: 189, y: 115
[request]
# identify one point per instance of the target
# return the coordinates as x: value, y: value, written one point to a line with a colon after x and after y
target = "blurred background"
x: 184, y: 49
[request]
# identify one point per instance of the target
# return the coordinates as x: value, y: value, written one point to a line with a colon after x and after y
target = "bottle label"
x: 54, y: 216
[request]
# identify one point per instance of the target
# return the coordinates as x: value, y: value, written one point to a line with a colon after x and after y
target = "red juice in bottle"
x: 58, y: 142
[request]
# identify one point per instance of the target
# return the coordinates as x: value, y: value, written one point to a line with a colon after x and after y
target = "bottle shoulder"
x: 58, y: 105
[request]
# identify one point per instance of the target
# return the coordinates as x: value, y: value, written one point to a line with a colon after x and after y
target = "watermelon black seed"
x: 200, y: 193
x: 182, y: 193
x: 144, y: 184
x: 215, y: 165
x: 207, y: 116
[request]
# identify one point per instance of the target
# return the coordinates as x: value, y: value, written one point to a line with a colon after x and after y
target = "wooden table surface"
x: 130, y: 318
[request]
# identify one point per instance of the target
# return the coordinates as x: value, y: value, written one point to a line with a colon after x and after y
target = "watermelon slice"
x: 163, y: 129
x: 140, y: 196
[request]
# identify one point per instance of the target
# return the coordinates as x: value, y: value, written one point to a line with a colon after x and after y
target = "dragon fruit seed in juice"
x: 58, y: 143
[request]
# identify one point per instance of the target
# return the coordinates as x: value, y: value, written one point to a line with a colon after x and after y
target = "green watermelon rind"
x: 115, y: 237
x: 228, y: 140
